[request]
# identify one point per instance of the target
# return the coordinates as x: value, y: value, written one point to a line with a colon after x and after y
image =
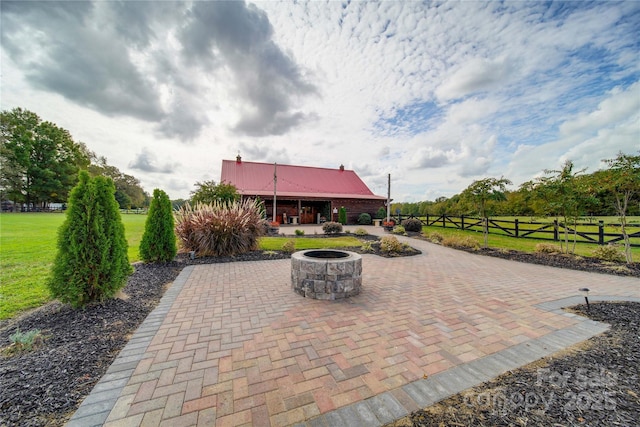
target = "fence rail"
x: 598, y: 233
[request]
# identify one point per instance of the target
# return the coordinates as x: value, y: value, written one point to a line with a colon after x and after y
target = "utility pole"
x: 275, y: 182
x: 388, y: 197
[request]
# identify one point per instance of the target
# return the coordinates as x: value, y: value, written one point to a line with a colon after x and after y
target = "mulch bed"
x: 45, y: 386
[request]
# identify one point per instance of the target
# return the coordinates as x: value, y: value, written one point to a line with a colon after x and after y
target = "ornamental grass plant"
x: 220, y: 228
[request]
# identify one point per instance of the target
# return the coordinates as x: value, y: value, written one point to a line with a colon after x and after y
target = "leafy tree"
x: 129, y: 192
x: 91, y: 263
x: 159, y: 240
x: 622, y: 180
x: 123, y: 199
x: 208, y: 192
x: 564, y: 196
x: 40, y: 161
x: 480, y: 193
x: 178, y: 203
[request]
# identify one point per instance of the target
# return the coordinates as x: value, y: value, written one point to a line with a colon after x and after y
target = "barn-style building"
x: 304, y: 195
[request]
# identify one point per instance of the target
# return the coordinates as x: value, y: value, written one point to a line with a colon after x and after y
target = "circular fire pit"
x: 327, y: 274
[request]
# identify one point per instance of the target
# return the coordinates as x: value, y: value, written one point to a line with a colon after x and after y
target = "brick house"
x: 304, y: 195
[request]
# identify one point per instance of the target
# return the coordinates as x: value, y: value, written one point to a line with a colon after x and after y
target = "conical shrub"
x: 91, y: 263
x: 159, y: 240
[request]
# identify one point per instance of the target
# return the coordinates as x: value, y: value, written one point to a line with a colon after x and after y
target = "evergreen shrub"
x: 342, y: 215
x: 159, y: 240
x: 91, y: 263
x: 412, y: 224
x: 364, y: 219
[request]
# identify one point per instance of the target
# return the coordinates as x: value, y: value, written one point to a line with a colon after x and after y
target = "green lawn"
x: 521, y: 244
x: 589, y: 226
x: 27, y: 249
x: 275, y: 243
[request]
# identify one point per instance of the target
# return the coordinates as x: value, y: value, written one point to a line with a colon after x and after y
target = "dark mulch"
x: 595, y: 383
x: 45, y: 386
x: 567, y: 261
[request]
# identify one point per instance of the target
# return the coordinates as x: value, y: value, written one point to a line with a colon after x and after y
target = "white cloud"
x: 437, y: 94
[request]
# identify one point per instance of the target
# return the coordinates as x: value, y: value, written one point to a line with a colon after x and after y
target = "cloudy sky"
x: 436, y: 94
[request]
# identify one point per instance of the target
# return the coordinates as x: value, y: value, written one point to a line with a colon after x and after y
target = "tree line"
x: 567, y: 190
x: 40, y: 164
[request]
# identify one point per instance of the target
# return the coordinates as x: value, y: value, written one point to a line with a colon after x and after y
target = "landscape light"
x: 585, y: 292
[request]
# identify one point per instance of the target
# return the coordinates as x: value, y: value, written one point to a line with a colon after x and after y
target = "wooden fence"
x: 598, y: 233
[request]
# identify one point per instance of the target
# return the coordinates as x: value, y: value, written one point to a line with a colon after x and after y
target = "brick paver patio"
x: 233, y: 345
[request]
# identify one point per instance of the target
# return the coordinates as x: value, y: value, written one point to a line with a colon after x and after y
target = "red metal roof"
x: 256, y: 179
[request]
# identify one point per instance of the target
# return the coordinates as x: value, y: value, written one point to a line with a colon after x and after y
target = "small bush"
x: 412, y: 224
x: 360, y: 232
x: 609, y: 253
x: 390, y: 244
x: 547, y: 248
x: 299, y: 232
x: 382, y: 213
x: 159, y: 240
x: 364, y: 219
x: 332, y: 227
x: 220, y: 228
x: 25, y: 341
x: 435, y: 237
x: 289, y: 246
x: 366, y: 247
x: 465, y: 242
x: 398, y: 229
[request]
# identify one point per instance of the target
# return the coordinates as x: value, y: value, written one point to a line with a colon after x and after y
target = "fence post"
x: 601, y: 232
x: 516, y: 225
x: 427, y: 219
x: 444, y: 225
x: 462, y: 222
x: 555, y: 230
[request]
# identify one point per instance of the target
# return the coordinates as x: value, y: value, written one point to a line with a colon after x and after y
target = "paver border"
x: 95, y: 409
x: 387, y: 407
x: 374, y: 411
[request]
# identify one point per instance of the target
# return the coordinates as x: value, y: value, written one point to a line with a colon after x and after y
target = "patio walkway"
x: 231, y: 344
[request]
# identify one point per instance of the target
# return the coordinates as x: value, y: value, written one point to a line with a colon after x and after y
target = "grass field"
x: 534, y: 228
x: 27, y: 249
x: 525, y: 245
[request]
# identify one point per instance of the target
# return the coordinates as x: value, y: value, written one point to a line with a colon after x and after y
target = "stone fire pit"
x: 326, y: 274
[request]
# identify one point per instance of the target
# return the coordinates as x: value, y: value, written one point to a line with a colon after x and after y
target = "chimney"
x: 341, y: 168
x: 238, y: 158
